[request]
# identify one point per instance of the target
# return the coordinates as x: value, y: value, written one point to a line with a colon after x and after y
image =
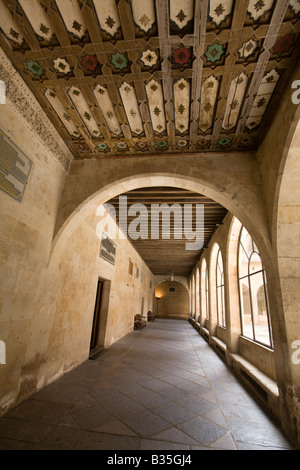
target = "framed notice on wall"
x: 15, y: 168
x: 108, y: 249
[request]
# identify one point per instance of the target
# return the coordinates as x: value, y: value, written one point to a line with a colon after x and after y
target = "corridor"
x: 162, y: 388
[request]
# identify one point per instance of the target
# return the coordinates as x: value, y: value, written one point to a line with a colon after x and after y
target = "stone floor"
x: 162, y: 388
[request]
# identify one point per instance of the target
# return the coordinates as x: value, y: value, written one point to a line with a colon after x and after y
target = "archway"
x: 172, y: 300
x: 243, y: 202
x: 287, y: 252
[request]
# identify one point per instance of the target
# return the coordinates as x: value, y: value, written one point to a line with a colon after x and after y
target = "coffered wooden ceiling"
x: 130, y: 77
x: 169, y: 254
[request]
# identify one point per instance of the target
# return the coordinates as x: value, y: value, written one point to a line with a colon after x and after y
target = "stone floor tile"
x: 61, y: 393
x: 115, y: 427
x: 26, y: 410
x: 155, y: 385
x: 146, y: 423
x: 137, y: 393
x: 192, y: 388
x: 92, y: 416
x: 217, y: 417
x: 100, y: 441
x: 203, y: 430
x: 174, y: 435
x: 85, y: 400
x: 147, y: 444
x: 151, y: 399
x: 197, y: 405
x: 21, y: 430
x: 11, y: 444
x: 230, y: 397
x: 174, y: 380
x: 125, y: 406
x: 262, y: 433
x: 107, y: 396
x: 61, y: 437
x: 174, y: 413
x: 224, y: 443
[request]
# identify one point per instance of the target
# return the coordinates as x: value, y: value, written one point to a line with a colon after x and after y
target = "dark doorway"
x: 96, y: 321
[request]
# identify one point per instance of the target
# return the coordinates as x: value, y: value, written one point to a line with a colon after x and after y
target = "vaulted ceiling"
x: 130, y: 77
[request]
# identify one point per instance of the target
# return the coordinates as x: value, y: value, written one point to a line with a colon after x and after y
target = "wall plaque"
x: 15, y: 168
x: 108, y: 249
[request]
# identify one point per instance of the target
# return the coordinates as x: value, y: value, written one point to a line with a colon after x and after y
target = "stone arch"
x: 286, y: 235
x: 247, y: 205
x: 172, y: 304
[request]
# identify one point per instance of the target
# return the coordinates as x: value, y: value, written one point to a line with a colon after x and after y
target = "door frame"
x: 101, y: 311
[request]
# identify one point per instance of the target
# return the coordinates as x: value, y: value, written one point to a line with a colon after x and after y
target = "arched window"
x: 197, y: 294
x: 254, y: 307
x: 220, y: 289
x: 204, y: 291
x: 193, y: 296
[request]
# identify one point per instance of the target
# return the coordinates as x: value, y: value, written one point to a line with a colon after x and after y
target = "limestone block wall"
x: 47, y: 296
x: 73, y: 275
x: 26, y: 231
x: 280, y: 169
x: 172, y: 300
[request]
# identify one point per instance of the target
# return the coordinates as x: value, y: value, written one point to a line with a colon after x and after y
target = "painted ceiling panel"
x: 84, y: 111
x: 154, y: 76
x: 72, y: 17
x: 209, y: 95
x: 182, y: 105
x: 234, y: 101
x: 106, y: 106
x: 258, y: 8
x: 144, y: 14
x: 62, y: 112
x: 108, y: 16
x: 131, y: 107
x: 181, y: 12
x: 9, y: 26
x: 295, y: 6
x: 219, y: 11
x: 262, y: 99
x: 156, y: 105
x: 38, y: 18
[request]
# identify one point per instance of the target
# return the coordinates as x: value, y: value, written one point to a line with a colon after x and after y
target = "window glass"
x: 220, y: 290
x: 252, y: 291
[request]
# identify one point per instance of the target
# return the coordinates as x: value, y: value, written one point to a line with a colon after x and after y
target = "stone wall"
x: 172, y: 300
x: 26, y: 232
x: 47, y: 296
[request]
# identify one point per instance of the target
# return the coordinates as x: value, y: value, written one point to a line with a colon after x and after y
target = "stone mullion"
x: 163, y: 23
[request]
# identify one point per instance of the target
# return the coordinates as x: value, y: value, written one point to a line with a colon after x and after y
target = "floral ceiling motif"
x: 129, y: 77
x: 219, y: 11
